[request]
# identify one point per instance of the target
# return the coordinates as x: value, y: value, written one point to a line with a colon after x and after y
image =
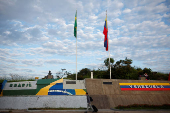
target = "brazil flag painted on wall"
x: 75, y: 25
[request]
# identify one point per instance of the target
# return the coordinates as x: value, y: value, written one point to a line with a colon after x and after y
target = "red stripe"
x: 146, y: 89
x: 105, y: 39
x: 105, y: 31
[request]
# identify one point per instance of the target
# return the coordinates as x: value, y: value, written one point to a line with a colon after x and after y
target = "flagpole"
x: 109, y: 49
x: 76, y: 57
x: 76, y: 48
x: 109, y: 59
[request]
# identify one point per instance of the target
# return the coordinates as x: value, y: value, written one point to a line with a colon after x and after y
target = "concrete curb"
x: 54, y: 110
x: 140, y: 109
x: 69, y: 110
x: 8, y: 111
x: 4, y: 111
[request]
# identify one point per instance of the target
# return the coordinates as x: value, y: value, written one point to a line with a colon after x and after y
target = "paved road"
x: 82, y: 111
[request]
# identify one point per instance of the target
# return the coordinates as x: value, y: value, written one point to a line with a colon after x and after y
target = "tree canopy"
x: 106, y: 61
x: 122, y: 69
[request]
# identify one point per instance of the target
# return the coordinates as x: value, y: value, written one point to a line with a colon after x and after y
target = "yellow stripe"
x: 106, y: 22
x: 58, y: 81
x: 44, y: 90
x: 144, y: 83
x: 80, y: 92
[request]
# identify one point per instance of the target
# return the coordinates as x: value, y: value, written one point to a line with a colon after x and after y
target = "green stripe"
x: 46, y: 81
x: 19, y: 92
x: 85, y: 90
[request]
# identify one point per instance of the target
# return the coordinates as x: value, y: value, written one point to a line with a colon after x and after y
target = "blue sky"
x: 37, y: 35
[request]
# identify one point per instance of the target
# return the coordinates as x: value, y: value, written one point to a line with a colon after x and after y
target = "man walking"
x: 88, y: 103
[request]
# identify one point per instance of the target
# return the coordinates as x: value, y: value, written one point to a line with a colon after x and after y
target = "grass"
x: 144, y: 106
x: 57, y: 108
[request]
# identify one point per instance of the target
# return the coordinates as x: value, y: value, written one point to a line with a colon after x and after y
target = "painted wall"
x: 20, y: 85
x: 145, y: 86
x: 25, y: 102
x: 2, y: 85
x: 19, y: 92
x: 59, y: 88
x: 108, y: 95
x: 20, y: 88
x: 41, y: 83
x: 45, y: 87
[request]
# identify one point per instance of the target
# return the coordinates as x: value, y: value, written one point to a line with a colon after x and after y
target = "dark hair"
x: 87, y: 93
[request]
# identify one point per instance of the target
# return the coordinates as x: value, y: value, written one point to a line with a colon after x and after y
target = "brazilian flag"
x: 75, y: 25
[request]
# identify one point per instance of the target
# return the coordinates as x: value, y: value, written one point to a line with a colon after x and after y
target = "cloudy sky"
x: 37, y: 35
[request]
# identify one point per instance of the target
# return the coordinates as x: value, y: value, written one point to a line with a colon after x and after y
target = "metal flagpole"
x: 109, y: 59
x: 76, y: 56
x: 108, y: 48
x: 76, y: 48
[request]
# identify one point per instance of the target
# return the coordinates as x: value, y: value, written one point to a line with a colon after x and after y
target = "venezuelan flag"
x: 105, y: 32
x: 145, y: 86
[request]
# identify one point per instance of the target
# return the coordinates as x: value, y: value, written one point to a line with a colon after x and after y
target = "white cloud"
x: 38, y: 8
x: 93, y: 17
x: 117, y: 21
x: 126, y: 11
x: 7, y: 32
x: 96, y: 66
x: 4, y: 59
x: 33, y: 62
x: 4, y: 52
x: 44, y: 38
x: 57, y: 61
x: 166, y: 15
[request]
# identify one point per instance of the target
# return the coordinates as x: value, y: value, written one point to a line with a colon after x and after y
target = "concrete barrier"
x: 109, y: 94
x: 25, y: 102
x: 20, y: 88
x: 45, y: 87
x: 73, y: 84
x: 20, y: 85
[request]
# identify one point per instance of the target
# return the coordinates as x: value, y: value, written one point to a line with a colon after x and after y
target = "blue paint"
x: 166, y: 86
x: 57, y: 86
x: 61, y: 92
x: 3, y: 84
x: 125, y: 86
x: 72, y: 91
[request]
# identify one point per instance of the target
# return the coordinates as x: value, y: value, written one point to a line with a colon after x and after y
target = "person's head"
x: 86, y: 93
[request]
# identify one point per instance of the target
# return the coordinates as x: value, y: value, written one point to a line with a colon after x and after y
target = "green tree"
x: 71, y: 76
x: 84, y: 73
x: 122, y: 69
x: 147, y: 70
x: 106, y: 61
x: 140, y: 71
x: 127, y: 61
